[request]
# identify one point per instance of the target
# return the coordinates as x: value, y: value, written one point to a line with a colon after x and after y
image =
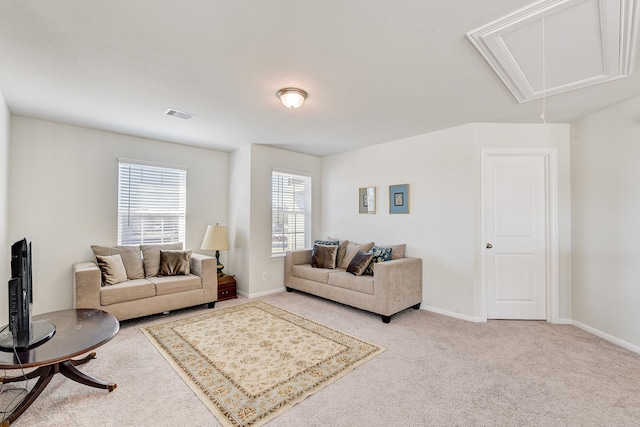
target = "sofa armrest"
x: 298, y: 256
x: 87, y: 281
x: 206, y: 267
x: 295, y: 257
x: 399, y: 282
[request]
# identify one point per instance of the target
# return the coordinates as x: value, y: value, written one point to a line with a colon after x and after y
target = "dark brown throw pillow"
x: 174, y: 263
x: 324, y: 256
x: 359, y: 263
x: 151, y: 256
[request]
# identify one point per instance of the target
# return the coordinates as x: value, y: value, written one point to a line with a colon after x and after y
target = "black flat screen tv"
x: 20, y: 294
x: 21, y: 333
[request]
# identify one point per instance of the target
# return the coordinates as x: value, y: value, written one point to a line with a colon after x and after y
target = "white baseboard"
x: 451, y: 313
x: 262, y: 294
x: 605, y: 336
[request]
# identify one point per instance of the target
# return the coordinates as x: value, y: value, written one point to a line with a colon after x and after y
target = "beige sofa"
x: 144, y: 292
x: 394, y: 286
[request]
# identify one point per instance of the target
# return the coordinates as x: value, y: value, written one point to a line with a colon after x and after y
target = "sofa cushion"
x: 380, y: 254
x: 305, y: 271
x: 151, y: 256
x: 174, y: 263
x: 346, y: 280
x: 352, y: 250
x: 324, y: 256
x: 131, y: 258
x: 127, y: 291
x: 174, y: 284
x: 112, y: 269
x: 359, y: 263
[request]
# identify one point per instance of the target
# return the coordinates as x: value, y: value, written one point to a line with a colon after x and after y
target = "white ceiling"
x: 375, y: 70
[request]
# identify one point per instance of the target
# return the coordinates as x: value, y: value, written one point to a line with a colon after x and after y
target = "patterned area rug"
x: 251, y: 362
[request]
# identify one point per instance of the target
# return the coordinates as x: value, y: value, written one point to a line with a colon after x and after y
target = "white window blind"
x: 290, y: 211
x: 151, y: 204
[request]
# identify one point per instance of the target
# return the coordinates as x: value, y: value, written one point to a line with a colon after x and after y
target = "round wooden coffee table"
x: 78, y: 331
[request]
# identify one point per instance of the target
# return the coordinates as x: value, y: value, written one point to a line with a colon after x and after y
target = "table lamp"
x: 215, y: 239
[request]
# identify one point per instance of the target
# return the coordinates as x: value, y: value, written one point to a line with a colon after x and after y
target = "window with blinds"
x: 290, y: 211
x: 151, y: 204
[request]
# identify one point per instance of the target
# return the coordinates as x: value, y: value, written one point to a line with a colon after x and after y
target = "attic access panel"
x: 555, y: 46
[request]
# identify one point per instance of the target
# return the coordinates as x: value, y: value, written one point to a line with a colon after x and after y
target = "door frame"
x: 550, y: 156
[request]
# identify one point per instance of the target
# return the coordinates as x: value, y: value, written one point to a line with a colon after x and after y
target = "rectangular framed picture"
x: 367, y: 200
x: 399, y: 199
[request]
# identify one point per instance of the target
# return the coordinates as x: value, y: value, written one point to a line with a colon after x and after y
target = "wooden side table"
x: 226, y: 287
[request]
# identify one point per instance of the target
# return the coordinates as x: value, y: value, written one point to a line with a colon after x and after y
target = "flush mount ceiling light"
x: 292, y: 97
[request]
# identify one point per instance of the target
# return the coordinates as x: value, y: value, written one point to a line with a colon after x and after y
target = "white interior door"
x: 514, y: 213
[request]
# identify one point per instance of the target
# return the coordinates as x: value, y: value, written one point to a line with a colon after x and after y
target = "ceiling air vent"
x: 179, y: 114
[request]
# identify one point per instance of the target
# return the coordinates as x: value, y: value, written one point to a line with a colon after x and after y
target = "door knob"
x: 489, y: 245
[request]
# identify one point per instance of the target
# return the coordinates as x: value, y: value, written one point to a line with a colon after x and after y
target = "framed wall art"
x: 399, y: 199
x: 367, y: 200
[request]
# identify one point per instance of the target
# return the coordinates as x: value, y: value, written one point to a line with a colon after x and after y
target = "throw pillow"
x: 130, y: 258
x: 398, y: 250
x: 174, y: 263
x: 352, y: 250
x: 359, y: 263
x: 379, y: 255
x: 151, y: 256
x: 324, y: 256
x: 342, y: 251
x: 332, y: 241
x: 322, y: 243
x: 112, y: 269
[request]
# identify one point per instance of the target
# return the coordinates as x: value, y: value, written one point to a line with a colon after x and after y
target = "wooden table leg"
x: 76, y: 362
x: 67, y: 368
x: 28, y: 376
x: 46, y: 373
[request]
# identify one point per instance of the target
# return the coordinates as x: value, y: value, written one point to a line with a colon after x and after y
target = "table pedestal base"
x: 44, y: 375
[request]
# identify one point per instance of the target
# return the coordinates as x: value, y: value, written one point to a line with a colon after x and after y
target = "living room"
x: 58, y: 187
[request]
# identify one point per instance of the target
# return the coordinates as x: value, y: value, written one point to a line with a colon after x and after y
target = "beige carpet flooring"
x: 436, y: 371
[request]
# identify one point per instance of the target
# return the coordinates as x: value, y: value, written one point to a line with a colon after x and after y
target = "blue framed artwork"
x: 399, y: 199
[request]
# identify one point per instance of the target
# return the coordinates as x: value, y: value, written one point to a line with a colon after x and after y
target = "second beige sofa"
x: 394, y: 286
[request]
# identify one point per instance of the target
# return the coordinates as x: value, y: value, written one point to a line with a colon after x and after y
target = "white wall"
x: 239, y: 229
x: 605, y: 172
x: 443, y: 227
x: 63, y: 195
x: 250, y: 208
x: 5, y: 271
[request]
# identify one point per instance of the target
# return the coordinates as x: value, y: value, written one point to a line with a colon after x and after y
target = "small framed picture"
x: 399, y: 199
x: 367, y: 200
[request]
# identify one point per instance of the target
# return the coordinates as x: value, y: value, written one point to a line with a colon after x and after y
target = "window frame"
x: 301, y: 219
x: 164, y: 210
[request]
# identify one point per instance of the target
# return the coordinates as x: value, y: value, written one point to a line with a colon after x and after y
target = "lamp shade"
x: 215, y: 239
x: 292, y: 97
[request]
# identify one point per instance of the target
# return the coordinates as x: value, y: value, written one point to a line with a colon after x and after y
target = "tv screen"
x: 20, y: 294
